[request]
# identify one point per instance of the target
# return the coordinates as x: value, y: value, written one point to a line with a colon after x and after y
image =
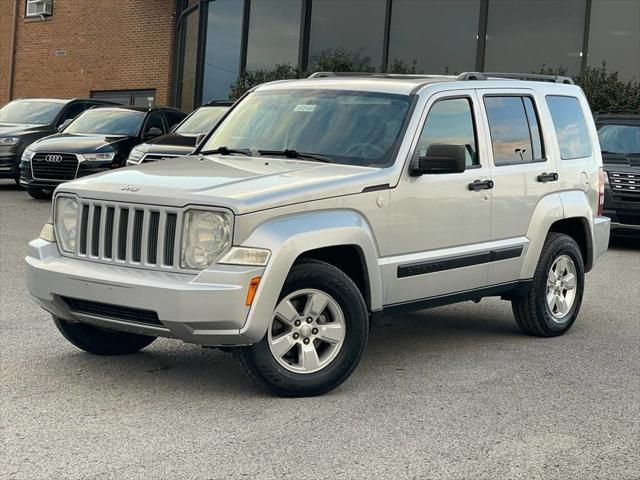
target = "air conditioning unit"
x: 39, y: 8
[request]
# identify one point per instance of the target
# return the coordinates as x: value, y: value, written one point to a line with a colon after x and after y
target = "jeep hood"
x: 242, y: 184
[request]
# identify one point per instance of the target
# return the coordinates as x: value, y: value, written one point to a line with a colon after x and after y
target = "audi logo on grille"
x: 53, y: 158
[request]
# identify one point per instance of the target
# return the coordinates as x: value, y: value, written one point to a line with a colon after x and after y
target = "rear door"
x: 524, y: 171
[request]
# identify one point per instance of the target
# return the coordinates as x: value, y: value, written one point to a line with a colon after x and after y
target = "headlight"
x: 138, y: 152
x: 27, y: 155
x: 9, y: 140
x: 205, y: 235
x: 99, y: 157
x: 246, y: 256
x: 66, y: 221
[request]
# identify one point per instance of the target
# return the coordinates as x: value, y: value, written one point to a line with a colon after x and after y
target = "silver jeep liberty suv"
x: 317, y: 205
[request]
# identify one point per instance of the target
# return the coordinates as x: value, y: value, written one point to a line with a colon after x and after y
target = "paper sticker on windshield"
x: 301, y: 107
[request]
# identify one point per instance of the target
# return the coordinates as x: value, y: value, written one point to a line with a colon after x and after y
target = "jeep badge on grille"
x: 130, y: 188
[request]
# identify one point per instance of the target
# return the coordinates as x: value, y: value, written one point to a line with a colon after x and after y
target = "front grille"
x: 625, y: 183
x: 137, y: 315
x: 135, y: 235
x: 54, y: 166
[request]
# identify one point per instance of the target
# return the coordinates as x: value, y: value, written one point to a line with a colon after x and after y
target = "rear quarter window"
x: 571, y: 128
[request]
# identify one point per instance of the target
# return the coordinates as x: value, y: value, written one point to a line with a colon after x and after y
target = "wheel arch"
x: 324, y: 235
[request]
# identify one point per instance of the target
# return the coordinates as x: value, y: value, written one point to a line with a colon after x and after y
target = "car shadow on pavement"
x: 168, y: 366
x: 629, y: 242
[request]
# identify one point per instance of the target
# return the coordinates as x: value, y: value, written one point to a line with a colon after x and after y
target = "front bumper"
x: 84, y: 169
x: 624, y: 212
x: 208, y: 308
x: 9, y: 162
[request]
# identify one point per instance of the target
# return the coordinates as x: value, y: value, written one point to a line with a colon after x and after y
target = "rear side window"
x: 571, y: 128
x: 450, y: 122
x: 515, y: 133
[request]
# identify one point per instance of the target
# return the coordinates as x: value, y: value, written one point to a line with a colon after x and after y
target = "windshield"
x: 619, y: 138
x: 104, y: 121
x: 38, y: 112
x: 355, y: 128
x: 201, y: 121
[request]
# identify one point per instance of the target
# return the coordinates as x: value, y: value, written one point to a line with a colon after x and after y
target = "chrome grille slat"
x: 624, y: 183
x: 129, y: 234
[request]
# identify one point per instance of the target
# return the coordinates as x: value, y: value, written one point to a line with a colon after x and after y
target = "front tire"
x: 39, y: 193
x: 316, y: 337
x: 101, y: 341
x: 552, y: 303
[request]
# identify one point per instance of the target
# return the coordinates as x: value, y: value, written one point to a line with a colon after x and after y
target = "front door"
x: 440, y: 227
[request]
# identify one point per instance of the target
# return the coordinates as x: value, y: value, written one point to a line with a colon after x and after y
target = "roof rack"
x: 516, y: 76
x: 373, y: 74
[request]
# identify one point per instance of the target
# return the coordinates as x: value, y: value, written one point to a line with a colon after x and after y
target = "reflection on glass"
x: 188, y: 70
x: 201, y: 121
x: 571, y: 129
x: 622, y: 139
x: 104, y: 121
x: 356, y: 128
x: 353, y: 30
x: 509, y: 130
x: 222, y: 50
x: 527, y: 35
x: 35, y: 112
x: 450, y: 122
x: 274, y: 33
x: 439, y: 35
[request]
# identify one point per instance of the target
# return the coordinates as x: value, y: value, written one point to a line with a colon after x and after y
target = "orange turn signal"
x: 253, y: 287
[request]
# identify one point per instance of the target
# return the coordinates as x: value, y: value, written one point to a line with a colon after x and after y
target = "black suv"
x: 183, y: 138
x: 619, y: 134
x: 24, y: 121
x: 97, y: 140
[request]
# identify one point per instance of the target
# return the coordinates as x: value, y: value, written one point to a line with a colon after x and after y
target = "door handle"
x: 481, y: 185
x: 547, y: 177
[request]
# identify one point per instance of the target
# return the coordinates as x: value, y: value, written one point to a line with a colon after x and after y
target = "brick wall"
x: 90, y: 45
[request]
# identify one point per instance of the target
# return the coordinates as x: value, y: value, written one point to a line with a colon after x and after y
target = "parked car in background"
x: 24, y: 121
x: 99, y: 139
x: 183, y: 138
x: 619, y: 134
x: 319, y: 204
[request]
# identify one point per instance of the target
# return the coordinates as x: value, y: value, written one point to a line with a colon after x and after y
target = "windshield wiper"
x: 291, y: 153
x: 227, y: 151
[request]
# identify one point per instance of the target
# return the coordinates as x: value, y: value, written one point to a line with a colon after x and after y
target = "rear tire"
x: 552, y: 303
x: 316, y: 337
x: 101, y: 341
x: 39, y: 193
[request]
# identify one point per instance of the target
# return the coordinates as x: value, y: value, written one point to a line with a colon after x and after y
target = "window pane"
x: 527, y: 35
x: 623, y: 139
x: 509, y: 130
x: 532, y: 118
x: 571, y: 129
x: 450, y: 122
x: 614, y: 36
x: 187, y: 82
x: 274, y: 33
x: 418, y: 26
x: 222, y: 50
x: 352, y: 29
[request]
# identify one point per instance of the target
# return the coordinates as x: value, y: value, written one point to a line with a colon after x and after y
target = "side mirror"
x: 64, y: 124
x: 200, y: 138
x: 153, y: 133
x: 440, y: 158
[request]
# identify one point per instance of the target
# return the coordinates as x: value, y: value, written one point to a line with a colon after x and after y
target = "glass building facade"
x: 218, y: 39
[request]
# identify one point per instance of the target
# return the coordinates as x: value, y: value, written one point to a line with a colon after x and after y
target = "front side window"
x: 450, y: 122
x: 515, y: 134
x: 349, y: 127
x: 101, y: 121
x: 571, y: 129
x: 201, y: 121
x: 618, y: 138
x: 35, y: 112
x: 154, y: 121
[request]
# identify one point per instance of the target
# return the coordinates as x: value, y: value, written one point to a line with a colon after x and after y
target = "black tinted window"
x: 173, y: 118
x: 622, y: 139
x: 154, y: 121
x: 73, y: 111
x: 450, y: 122
x: 515, y: 135
x: 571, y: 129
x: 107, y: 122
